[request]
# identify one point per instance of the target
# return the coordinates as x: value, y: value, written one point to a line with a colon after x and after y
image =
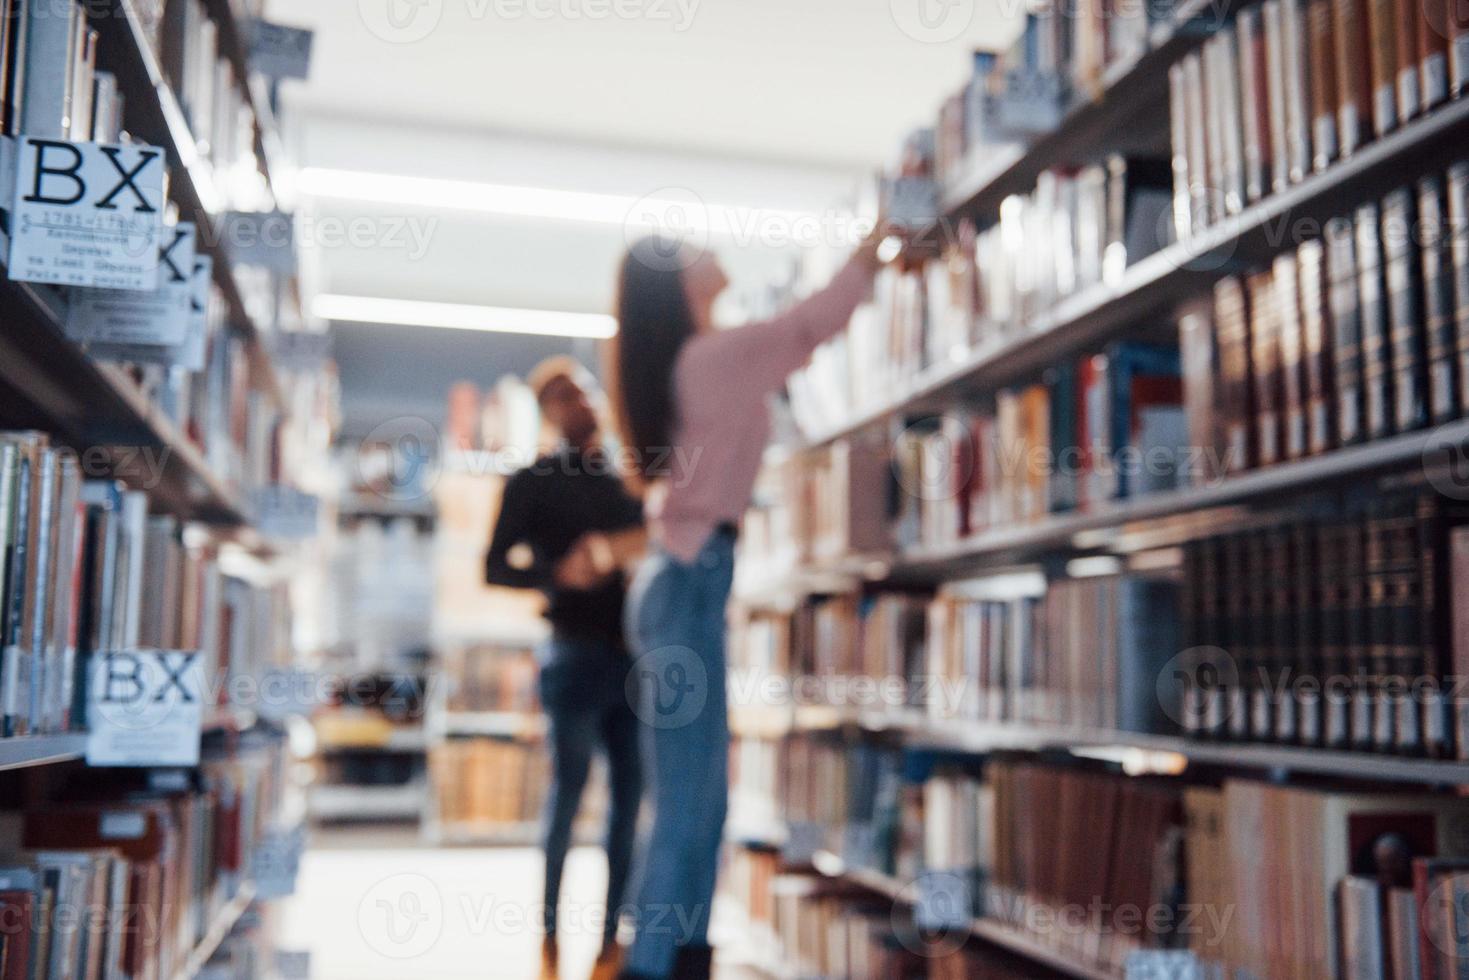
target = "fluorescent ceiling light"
x: 679, y: 208
x: 458, y: 316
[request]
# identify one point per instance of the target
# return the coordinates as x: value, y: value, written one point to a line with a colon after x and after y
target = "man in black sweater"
x: 566, y: 527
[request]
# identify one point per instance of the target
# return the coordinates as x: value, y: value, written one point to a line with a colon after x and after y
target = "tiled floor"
x: 376, y: 906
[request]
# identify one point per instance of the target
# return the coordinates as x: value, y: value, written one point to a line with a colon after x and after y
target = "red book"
x: 17, y: 920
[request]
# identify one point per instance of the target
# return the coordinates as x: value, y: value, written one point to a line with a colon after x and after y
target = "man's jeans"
x: 583, y: 690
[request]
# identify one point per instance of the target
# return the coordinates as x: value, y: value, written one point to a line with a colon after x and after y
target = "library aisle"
x: 739, y: 489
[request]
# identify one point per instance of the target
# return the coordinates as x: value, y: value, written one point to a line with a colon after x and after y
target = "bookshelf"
x: 1182, y: 271
x: 156, y: 116
x: 890, y: 888
x: 41, y: 750
x: 912, y: 358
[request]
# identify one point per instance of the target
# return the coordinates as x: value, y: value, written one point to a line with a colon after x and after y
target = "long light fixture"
x: 673, y: 205
x: 459, y: 316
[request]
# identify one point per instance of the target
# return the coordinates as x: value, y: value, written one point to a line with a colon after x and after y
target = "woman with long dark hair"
x: 690, y: 402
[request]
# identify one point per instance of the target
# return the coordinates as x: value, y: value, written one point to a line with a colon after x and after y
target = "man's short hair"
x: 555, y: 368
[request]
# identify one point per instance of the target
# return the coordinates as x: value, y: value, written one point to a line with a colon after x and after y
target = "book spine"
x: 42, y: 100
x: 1286, y: 296
x: 1275, y: 66
x: 1458, y: 28
x: 1232, y: 123
x: 1438, y: 300
x: 1458, y: 234
x: 1240, y: 629
x: 1353, y: 74
x: 1431, y: 560
x: 1405, y: 310
x: 1279, y: 560
x: 1178, y: 130
x: 1305, y: 628
x: 1265, y: 367
x: 1433, y: 51
x: 1409, y: 58
x: 1297, y: 87
x: 1214, y: 123
x: 1200, y: 214
x: 1383, y: 31
x: 1254, y: 104
x: 1358, y: 632
x: 1316, y: 346
x: 1232, y: 332
x: 1333, y: 617
x: 1376, y: 356
x: 1346, y: 327
x: 1458, y: 610
x: 1324, y: 87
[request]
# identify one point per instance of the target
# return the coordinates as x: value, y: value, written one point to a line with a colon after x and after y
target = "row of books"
x: 84, y: 568
x: 1342, y: 340
x: 486, y: 782
x: 1294, y: 85
x: 1315, y: 877
x: 1341, y: 629
x: 1334, y: 624
x: 124, y: 876
x: 52, y: 88
x: 1086, y: 652
x: 1078, y: 228
x: 1060, y: 57
x: 484, y: 678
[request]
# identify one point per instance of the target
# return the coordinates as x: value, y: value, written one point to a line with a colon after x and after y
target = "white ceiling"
x: 765, y: 104
x: 824, y: 81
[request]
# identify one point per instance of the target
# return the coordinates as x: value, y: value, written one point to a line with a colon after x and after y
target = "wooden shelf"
x: 41, y: 750
x: 1108, y: 526
x: 1133, y: 100
x: 1183, y: 271
x: 50, y: 383
x: 987, y: 930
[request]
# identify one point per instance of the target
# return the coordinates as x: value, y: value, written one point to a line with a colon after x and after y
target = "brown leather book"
x: 1232, y: 332
x: 1316, y: 351
x: 1433, y: 50
x: 1401, y: 256
x: 1458, y: 31
x: 1458, y: 217
x: 1351, y: 32
x: 1346, y: 329
x: 1297, y: 87
x: 1265, y: 366
x: 1272, y: 26
x: 1324, y: 88
x: 1383, y: 19
x: 1372, y: 299
x: 1285, y: 294
x: 1410, y: 98
x: 1254, y: 104
x: 1438, y: 300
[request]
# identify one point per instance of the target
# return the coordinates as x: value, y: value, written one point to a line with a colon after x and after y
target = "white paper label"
x: 157, y: 318
x: 1461, y: 62
x: 87, y: 214
x: 123, y: 826
x: 275, y: 863
x: 145, y: 708
x: 1157, y: 964
x: 293, y: 964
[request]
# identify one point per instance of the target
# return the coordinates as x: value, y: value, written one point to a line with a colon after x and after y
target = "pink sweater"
x: 721, y: 382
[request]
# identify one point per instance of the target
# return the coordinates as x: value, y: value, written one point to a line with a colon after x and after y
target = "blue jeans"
x: 582, y: 686
x: 676, y: 630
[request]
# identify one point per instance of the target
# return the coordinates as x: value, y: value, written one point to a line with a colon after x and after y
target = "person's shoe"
x: 609, y: 962
x: 550, y: 959
x: 693, y: 963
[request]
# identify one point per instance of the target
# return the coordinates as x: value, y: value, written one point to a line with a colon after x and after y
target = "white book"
x: 46, y: 80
